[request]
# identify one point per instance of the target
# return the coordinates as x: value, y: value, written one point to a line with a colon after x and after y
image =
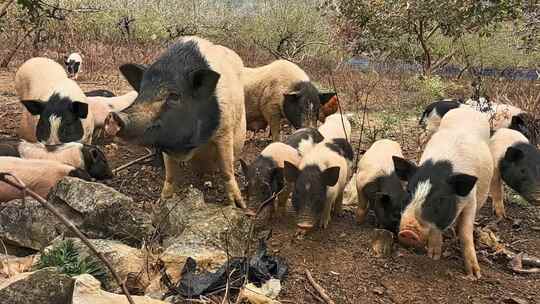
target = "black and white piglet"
x: 85, y: 157
x: 517, y: 163
x: 265, y: 175
x: 378, y: 186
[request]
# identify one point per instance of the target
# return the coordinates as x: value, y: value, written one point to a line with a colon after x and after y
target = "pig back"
x: 281, y: 152
x: 467, y: 120
x: 38, y: 175
x: 377, y: 161
x: 229, y: 92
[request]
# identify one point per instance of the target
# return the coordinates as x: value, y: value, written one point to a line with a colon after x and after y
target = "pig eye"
x: 173, y: 97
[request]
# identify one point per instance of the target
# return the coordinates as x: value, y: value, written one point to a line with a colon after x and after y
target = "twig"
x: 339, y: 107
x: 318, y: 287
x: 7, y: 258
x: 22, y: 187
x: 131, y: 163
x: 314, y: 295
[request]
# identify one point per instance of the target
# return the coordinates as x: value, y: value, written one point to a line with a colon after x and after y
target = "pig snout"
x: 114, y: 123
x: 305, y: 222
x: 410, y: 238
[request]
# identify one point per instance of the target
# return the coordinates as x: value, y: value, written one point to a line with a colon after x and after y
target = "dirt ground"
x: 340, y: 257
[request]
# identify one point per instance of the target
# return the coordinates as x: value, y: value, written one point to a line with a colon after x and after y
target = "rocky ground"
x: 340, y: 258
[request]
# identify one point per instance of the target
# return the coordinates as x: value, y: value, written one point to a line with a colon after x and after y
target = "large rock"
x: 45, y: 286
x: 88, y: 291
x: 103, y: 212
x: 131, y: 264
x: 96, y: 209
x: 204, y: 232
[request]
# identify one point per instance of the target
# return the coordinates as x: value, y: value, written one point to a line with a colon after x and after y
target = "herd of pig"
x: 197, y: 100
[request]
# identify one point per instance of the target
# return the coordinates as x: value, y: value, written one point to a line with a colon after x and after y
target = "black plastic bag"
x: 260, y: 268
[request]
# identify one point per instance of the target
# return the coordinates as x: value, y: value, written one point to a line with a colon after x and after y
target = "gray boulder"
x: 45, y: 286
x: 99, y: 211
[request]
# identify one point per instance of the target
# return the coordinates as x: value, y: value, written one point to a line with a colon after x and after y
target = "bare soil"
x: 340, y: 257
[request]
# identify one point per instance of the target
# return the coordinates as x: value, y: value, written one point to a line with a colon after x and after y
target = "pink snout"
x: 305, y: 226
x: 410, y: 238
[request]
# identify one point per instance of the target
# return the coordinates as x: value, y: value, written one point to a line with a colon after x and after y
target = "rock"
x: 203, y: 232
x: 88, y: 291
x: 96, y: 209
x: 12, y: 265
x: 382, y: 243
x: 103, y: 212
x: 128, y: 262
x: 45, y: 286
x: 27, y: 224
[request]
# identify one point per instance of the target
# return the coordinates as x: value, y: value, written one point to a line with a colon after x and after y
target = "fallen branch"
x: 319, y: 289
x: 131, y: 163
x: 517, y: 265
x: 22, y: 187
x: 314, y: 295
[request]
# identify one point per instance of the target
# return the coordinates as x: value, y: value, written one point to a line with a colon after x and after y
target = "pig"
x: 336, y: 126
x: 304, y: 140
x: 499, y: 115
x: 518, y: 166
x: 85, y: 157
x: 328, y: 108
x: 102, y: 106
x: 37, y: 174
x: 73, y: 64
x: 265, y: 175
x: 378, y: 186
x: 57, y: 103
x: 433, y: 113
x: 279, y: 90
x: 319, y: 181
x: 450, y: 184
x: 99, y: 93
x: 191, y: 107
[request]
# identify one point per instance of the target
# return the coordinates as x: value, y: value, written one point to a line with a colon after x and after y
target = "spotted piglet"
x: 265, y: 175
x: 517, y: 163
x: 85, y: 157
x: 378, y: 186
x: 37, y: 174
x: 449, y: 186
x: 321, y: 177
x: 304, y: 140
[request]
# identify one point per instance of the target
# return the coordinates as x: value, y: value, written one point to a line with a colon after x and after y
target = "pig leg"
x: 282, y: 199
x: 338, y: 205
x: 434, y: 244
x: 273, y: 117
x: 326, y: 215
x: 363, y: 208
x: 466, y: 227
x: 172, y: 168
x: 226, y: 163
x: 497, y: 194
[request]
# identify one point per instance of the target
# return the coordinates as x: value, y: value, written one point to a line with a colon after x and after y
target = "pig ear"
x: 35, y: 107
x: 133, y: 74
x: 277, y: 180
x: 290, y: 172
x: 404, y: 168
x: 371, y: 187
x: 462, y: 183
x: 80, y: 109
x: 244, y: 166
x: 204, y: 82
x: 330, y: 176
x: 325, y: 97
x: 513, y: 155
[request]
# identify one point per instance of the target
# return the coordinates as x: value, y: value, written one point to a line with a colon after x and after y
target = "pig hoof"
x: 361, y: 216
x: 168, y: 191
x: 434, y: 253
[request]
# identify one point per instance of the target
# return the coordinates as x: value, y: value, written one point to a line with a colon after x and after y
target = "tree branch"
x: 17, y: 183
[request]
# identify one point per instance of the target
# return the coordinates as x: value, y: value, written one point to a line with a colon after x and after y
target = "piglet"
x: 517, y: 163
x: 449, y: 186
x: 85, y: 157
x: 37, y: 174
x: 265, y: 175
x: 304, y: 140
x: 378, y: 186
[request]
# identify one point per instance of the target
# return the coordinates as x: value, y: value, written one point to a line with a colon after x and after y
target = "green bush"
x: 67, y: 259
